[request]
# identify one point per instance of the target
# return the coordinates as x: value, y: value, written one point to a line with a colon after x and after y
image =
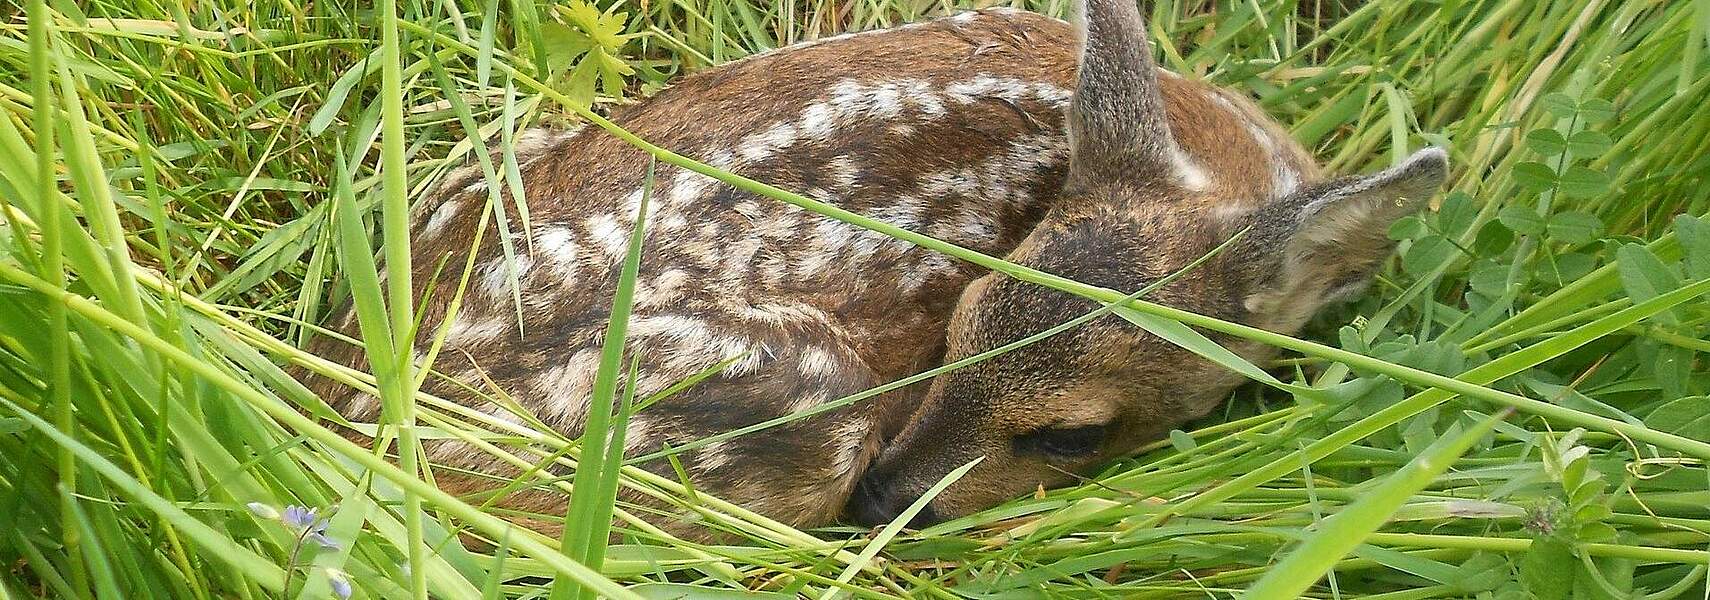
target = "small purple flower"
x: 324, y: 541
x: 308, y: 524
x: 299, y: 517
x: 339, y: 582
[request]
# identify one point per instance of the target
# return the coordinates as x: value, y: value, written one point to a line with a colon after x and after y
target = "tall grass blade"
x: 244, y: 561
x: 1348, y: 528
x: 588, y: 522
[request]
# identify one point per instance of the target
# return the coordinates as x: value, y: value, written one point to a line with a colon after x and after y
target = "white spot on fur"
x: 714, y: 456
x: 534, y: 141
x: 817, y: 362
x: 751, y: 356
x: 780, y: 314
x: 497, y: 273
x: 775, y: 225
x: 632, y: 206
x: 566, y: 387
x: 1218, y: 98
x: 558, y: 245
x: 818, y: 120
x: 739, y: 254
x: 773, y: 269
x: 1051, y: 94
x: 662, y: 290
x: 749, y: 209
x: 466, y: 330
x: 966, y: 92
x: 844, y: 171
x: 926, y: 268
x: 919, y: 93
x: 1229, y: 212
x: 689, y: 330
x: 1287, y: 180
x: 638, y: 437
x: 363, y: 407
x: 993, y: 187
x: 1284, y: 179
x: 867, y: 243
x: 606, y: 232
x: 814, y: 264
x: 960, y: 181
x: 849, y: 440
x: 851, y: 100
x: 441, y: 216
x: 973, y: 225
x: 832, y: 236
x: 887, y: 101
x: 808, y: 401
x: 763, y: 145
x: 1007, y: 88
x: 1189, y: 173
x: 687, y: 188
x: 937, y: 264
x: 722, y: 159
x: 687, y: 345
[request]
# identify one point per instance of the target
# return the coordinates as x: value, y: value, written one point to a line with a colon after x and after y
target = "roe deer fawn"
x: 1156, y: 178
x: 977, y: 129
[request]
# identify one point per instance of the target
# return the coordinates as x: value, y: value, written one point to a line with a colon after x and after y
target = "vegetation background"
x: 1516, y: 410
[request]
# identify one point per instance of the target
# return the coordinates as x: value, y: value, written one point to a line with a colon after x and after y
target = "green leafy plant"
x: 584, y: 50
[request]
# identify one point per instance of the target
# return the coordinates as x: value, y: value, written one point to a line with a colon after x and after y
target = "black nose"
x: 872, y: 506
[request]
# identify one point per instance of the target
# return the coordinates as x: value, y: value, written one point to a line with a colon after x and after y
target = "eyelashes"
x: 1063, y: 442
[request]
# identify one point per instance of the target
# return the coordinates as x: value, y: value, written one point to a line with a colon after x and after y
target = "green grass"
x: 221, y: 173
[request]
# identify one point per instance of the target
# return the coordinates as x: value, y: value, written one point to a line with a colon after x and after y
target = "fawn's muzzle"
x: 872, y: 505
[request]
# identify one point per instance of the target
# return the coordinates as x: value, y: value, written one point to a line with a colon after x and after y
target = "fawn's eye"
x: 1062, y: 442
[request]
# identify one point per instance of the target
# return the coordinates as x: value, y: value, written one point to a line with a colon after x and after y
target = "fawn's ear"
x: 1117, y: 127
x: 1324, y: 242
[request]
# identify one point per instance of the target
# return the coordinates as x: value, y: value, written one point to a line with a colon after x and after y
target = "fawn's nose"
x: 872, y: 505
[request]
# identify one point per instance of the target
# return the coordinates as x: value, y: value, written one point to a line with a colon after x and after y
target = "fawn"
x: 978, y: 129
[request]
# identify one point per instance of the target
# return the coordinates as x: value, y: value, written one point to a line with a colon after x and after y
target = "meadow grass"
x: 1517, y: 408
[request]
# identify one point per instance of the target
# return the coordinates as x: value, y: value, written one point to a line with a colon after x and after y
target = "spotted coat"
x: 953, y: 128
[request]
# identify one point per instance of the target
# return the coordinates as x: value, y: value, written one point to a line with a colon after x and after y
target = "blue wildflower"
x: 299, y: 517
x: 324, y: 541
x: 309, y: 525
x: 339, y: 581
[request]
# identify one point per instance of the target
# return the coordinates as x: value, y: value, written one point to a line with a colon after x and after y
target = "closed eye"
x: 1062, y: 442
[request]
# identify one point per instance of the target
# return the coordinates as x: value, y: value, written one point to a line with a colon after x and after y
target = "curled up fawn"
x: 997, y: 130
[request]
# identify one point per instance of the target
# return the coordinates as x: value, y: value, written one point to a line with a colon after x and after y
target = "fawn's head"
x: 1127, y: 218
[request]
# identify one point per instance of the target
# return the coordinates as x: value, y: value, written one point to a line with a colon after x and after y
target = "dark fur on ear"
x: 1117, y: 125
x: 1323, y: 243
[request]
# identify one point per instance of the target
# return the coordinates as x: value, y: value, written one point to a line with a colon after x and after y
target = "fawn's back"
x: 953, y: 128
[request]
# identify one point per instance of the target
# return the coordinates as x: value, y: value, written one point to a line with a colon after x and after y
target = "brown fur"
x: 1132, y: 212
x: 953, y: 128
